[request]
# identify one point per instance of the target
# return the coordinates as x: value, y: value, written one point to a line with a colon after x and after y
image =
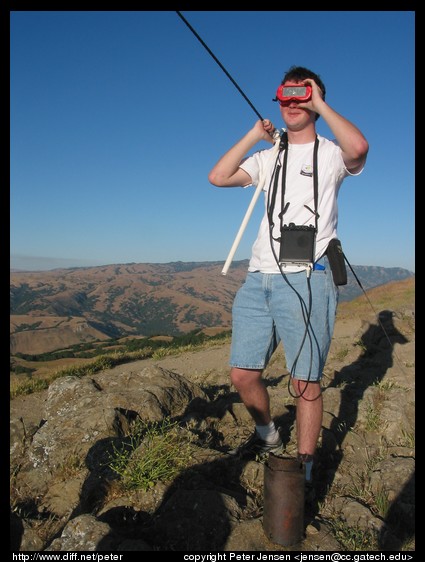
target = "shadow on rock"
x: 16, y: 531
x: 197, y: 509
x: 195, y: 513
x: 205, y: 501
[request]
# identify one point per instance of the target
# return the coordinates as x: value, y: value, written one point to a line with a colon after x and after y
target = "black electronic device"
x: 297, y: 245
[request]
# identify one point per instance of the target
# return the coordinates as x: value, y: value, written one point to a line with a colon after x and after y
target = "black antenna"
x: 218, y: 62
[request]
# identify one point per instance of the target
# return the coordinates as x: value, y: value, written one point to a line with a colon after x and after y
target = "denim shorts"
x: 299, y: 312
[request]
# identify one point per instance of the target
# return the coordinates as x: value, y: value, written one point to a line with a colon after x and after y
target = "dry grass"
x: 390, y: 296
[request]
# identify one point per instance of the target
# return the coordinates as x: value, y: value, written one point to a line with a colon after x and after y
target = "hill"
x: 55, y: 309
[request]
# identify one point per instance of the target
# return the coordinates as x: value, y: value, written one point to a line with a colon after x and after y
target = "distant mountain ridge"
x: 143, y: 299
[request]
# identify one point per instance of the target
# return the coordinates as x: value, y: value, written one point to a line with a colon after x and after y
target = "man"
x: 290, y: 299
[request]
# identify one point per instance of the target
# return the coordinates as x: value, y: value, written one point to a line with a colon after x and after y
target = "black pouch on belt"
x: 337, y: 262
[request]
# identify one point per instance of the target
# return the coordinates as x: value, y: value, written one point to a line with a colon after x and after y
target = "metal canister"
x: 283, y: 514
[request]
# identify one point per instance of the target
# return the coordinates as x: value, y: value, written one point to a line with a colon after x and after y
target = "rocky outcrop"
x: 66, y: 497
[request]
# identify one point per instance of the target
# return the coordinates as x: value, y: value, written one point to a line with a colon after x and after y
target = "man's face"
x: 295, y: 117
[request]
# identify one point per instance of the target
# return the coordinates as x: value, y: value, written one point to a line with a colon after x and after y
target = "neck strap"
x: 275, y: 178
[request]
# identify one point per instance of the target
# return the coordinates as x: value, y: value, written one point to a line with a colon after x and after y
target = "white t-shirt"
x: 299, y: 191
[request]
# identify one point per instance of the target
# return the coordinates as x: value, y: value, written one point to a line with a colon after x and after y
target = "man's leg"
x: 309, y: 415
x: 253, y: 393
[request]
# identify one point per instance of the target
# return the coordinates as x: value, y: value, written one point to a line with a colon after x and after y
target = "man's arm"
x: 352, y: 142
x: 226, y: 173
x: 354, y: 146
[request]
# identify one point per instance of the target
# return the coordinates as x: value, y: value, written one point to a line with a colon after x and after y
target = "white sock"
x: 308, y: 468
x: 268, y: 432
x: 307, y: 461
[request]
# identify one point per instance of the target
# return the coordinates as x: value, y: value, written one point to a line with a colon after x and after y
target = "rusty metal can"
x: 283, y: 515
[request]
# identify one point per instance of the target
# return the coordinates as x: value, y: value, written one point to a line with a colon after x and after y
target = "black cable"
x: 219, y: 63
x: 305, y: 310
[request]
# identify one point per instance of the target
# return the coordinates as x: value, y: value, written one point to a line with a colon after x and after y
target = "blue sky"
x: 116, y: 118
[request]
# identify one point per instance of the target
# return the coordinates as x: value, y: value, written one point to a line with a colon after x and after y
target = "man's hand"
x: 316, y: 100
x: 264, y: 129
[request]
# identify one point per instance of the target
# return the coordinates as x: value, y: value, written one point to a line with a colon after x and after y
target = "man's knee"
x: 308, y: 389
x: 240, y: 377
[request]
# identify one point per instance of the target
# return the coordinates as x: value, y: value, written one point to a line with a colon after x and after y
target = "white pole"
x: 248, y: 213
x: 242, y: 227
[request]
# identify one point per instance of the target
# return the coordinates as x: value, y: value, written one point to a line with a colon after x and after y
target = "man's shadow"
x: 369, y: 369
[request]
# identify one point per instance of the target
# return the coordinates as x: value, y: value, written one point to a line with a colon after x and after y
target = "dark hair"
x: 298, y: 73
